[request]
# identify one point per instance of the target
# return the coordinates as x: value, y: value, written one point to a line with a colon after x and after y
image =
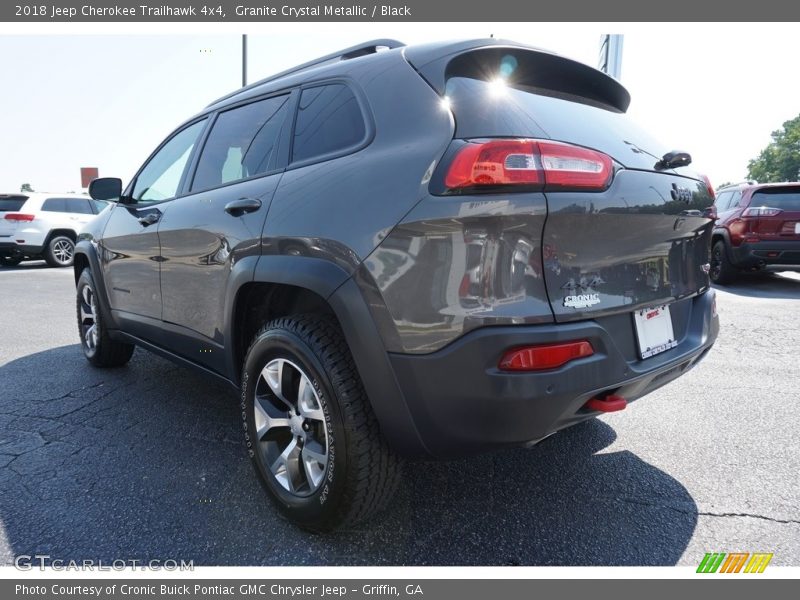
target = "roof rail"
x: 745, y: 182
x: 370, y: 47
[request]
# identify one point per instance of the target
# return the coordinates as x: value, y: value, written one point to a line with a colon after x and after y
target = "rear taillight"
x: 741, y: 230
x: 709, y: 187
x: 496, y: 162
x: 487, y: 164
x: 18, y: 217
x: 568, y: 166
x: 761, y: 211
x: 540, y: 358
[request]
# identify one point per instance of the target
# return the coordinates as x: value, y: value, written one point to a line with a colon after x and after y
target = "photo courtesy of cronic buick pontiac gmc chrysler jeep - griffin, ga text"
x: 406, y: 252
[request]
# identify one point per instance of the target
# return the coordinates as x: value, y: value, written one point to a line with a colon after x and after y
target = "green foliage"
x: 780, y: 161
x: 26, y: 187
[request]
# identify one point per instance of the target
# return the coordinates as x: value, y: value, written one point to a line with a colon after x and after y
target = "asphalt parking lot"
x: 146, y: 462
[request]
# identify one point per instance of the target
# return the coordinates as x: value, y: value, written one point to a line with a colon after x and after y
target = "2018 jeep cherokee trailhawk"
x: 423, y: 251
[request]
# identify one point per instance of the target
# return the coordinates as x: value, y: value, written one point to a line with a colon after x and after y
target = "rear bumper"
x: 462, y: 404
x: 13, y: 249
x: 767, y: 255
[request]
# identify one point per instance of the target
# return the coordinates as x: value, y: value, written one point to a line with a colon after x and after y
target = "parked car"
x: 757, y: 228
x: 36, y: 225
x: 427, y: 251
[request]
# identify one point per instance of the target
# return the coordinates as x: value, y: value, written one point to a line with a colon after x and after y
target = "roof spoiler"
x: 532, y: 67
x: 364, y: 49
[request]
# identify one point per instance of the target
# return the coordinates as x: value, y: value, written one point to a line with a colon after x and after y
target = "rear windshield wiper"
x: 674, y: 159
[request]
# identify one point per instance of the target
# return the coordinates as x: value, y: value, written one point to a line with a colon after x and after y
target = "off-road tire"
x: 722, y: 271
x: 362, y: 472
x: 102, y: 351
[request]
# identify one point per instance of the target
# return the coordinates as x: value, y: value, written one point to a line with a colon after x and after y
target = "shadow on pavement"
x: 764, y: 285
x: 146, y: 462
x: 27, y: 265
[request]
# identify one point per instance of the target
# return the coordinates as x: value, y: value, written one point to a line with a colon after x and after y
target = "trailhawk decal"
x: 582, y: 300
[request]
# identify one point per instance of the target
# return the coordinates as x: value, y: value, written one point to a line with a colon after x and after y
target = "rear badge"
x: 680, y: 194
x: 582, y: 300
x: 588, y: 298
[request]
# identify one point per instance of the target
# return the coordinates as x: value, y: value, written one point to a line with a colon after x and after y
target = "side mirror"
x: 106, y: 188
x: 710, y: 212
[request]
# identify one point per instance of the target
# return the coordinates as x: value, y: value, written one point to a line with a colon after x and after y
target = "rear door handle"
x: 149, y: 219
x: 243, y: 205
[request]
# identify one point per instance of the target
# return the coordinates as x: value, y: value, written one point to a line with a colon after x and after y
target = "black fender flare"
x: 337, y: 287
x: 721, y: 231
x: 316, y: 275
x: 376, y: 371
x: 88, y: 249
x: 726, y: 236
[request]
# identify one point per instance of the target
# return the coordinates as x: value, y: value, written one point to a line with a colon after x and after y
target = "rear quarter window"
x: 79, y: 206
x: 329, y: 120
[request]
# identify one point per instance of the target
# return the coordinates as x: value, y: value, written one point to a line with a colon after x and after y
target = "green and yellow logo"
x: 734, y: 562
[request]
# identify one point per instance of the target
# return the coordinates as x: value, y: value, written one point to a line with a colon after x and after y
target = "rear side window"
x: 12, y: 204
x: 242, y: 144
x: 68, y: 205
x: 786, y: 199
x: 723, y: 200
x: 54, y: 205
x: 329, y: 120
x: 79, y: 206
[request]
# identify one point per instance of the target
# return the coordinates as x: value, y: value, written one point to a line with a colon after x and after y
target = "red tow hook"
x: 611, y: 403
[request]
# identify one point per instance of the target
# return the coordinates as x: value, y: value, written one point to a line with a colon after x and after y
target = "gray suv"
x: 396, y: 252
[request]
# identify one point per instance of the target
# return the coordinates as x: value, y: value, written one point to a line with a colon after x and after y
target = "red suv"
x: 757, y: 228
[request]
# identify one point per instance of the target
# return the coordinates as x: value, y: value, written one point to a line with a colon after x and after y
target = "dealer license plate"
x: 654, y: 331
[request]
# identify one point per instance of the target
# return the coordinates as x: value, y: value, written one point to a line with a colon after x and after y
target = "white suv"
x: 38, y: 225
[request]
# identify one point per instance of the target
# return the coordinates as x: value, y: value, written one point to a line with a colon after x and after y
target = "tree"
x: 722, y: 185
x: 780, y: 161
x: 26, y: 187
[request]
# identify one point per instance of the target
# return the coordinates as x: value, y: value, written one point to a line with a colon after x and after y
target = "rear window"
x: 493, y: 108
x: 12, y: 204
x: 777, y: 198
